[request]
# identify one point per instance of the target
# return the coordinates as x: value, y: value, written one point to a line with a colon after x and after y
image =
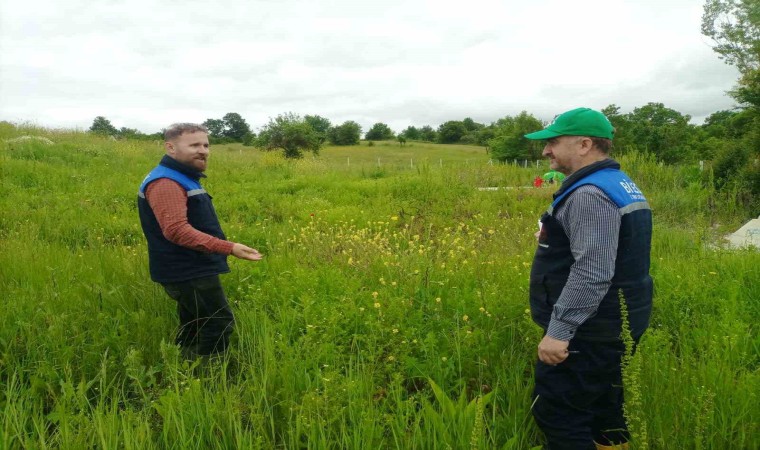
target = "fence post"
x: 525, y: 164
x: 348, y: 161
x: 701, y: 166
x: 411, y: 163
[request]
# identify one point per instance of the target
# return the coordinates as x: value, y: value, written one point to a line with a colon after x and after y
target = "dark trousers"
x: 580, y: 400
x: 205, y: 317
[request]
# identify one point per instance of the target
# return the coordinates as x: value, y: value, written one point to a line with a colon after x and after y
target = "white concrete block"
x: 746, y: 236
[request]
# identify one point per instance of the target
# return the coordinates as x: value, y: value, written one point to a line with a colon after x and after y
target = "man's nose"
x: 546, y: 150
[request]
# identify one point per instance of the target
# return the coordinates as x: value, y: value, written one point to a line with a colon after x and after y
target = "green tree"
x: 748, y: 90
x: 728, y: 163
x: 622, y: 141
x: 471, y: 125
x: 729, y: 124
x: 235, y: 127
x: 509, y: 141
x: 451, y: 132
x: 379, y: 132
x: 662, y: 131
x: 320, y: 124
x: 411, y: 133
x: 129, y: 133
x: 428, y: 134
x: 471, y: 135
x: 348, y: 133
x: 485, y: 134
x: 103, y: 126
x: 215, y: 127
x: 734, y: 26
x: 290, y: 133
x: 249, y: 140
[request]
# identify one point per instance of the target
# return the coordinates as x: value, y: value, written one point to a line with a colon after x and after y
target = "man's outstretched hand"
x: 244, y: 252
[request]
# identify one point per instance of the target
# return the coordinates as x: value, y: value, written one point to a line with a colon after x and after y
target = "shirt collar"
x: 586, y: 171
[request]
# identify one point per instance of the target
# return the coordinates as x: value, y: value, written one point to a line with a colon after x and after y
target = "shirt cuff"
x: 560, y: 330
x: 224, y: 247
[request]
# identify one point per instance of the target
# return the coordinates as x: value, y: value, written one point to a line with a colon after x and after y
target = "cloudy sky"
x: 145, y: 64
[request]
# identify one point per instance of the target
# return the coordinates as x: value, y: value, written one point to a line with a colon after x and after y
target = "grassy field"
x: 390, y: 311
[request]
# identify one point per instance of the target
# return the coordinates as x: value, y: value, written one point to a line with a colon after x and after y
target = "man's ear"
x: 586, y: 145
x: 169, y: 147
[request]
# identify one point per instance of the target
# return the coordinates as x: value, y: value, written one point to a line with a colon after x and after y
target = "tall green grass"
x: 389, y: 311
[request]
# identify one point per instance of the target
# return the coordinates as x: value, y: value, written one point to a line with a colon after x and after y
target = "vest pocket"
x: 540, y: 309
x: 554, y: 284
x: 537, y: 288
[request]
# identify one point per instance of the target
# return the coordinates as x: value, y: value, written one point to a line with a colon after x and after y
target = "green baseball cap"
x: 577, y: 122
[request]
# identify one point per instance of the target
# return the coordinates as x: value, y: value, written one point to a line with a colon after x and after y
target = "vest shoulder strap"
x: 615, y: 183
x: 193, y: 187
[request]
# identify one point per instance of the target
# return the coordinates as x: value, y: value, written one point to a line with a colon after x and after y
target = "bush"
x: 749, y: 183
x: 728, y: 163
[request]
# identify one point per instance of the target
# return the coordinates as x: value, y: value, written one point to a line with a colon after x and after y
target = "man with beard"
x: 593, y: 254
x: 186, y: 246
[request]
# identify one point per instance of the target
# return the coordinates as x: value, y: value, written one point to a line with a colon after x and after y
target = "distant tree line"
x: 103, y: 126
x: 653, y: 128
x: 289, y: 132
x: 729, y: 139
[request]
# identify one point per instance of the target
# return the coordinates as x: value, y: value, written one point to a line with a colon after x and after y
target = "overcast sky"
x: 145, y: 64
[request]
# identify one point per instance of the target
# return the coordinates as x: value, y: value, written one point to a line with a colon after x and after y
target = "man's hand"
x: 552, y: 351
x: 244, y: 252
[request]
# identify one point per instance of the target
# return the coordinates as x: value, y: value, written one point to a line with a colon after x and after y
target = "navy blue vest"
x: 169, y: 262
x: 553, y: 259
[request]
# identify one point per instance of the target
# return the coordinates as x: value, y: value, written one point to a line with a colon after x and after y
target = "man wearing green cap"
x: 592, y: 257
